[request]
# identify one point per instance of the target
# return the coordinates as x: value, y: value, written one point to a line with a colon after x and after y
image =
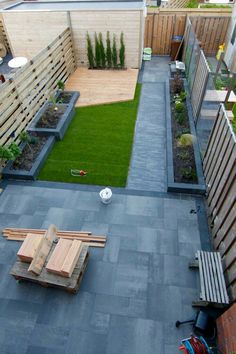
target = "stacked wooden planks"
x: 29, y: 247
x: 64, y: 257
x: 19, y: 234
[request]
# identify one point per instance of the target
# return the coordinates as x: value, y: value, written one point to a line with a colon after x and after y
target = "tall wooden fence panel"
x: 30, y: 87
x: 161, y: 26
x: 220, y: 172
x: 3, y: 35
x: 211, y: 32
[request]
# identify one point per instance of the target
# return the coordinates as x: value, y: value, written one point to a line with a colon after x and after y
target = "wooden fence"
x: 3, y: 35
x: 30, y: 87
x: 219, y: 166
x: 162, y: 25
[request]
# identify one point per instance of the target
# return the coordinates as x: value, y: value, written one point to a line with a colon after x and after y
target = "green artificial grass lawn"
x: 99, y: 140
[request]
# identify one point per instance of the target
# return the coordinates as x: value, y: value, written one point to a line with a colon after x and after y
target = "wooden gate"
x: 219, y: 167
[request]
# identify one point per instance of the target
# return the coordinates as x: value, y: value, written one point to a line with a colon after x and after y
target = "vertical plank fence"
x: 161, y: 26
x: 31, y: 86
x: 219, y: 166
x: 3, y: 35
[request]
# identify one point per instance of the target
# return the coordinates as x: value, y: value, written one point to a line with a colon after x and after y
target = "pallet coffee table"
x: 20, y: 272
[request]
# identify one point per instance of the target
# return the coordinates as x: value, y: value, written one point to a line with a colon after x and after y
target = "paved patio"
x: 133, y: 290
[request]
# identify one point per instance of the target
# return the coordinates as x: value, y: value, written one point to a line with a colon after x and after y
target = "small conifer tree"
x: 122, y: 51
x: 102, y: 51
x: 97, y: 52
x: 108, y: 51
x: 114, y: 53
x: 90, y: 52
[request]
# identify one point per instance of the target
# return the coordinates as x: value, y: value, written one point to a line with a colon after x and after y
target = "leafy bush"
x: 97, y: 52
x: 9, y: 152
x: 122, y: 51
x: 108, y: 51
x: 90, y: 52
x: 186, y: 140
x: 28, y: 139
x: 102, y: 52
x: 181, y: 118
x: 179, y: 106
x: 183, y: 155
x: 183, y: 95
x: 114, y: 52
x: 188, y: 173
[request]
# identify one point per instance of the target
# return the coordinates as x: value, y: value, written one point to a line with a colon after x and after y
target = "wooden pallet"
x: 46, y: 279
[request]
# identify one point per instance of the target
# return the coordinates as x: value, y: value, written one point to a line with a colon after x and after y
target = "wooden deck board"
x: 102, y: 86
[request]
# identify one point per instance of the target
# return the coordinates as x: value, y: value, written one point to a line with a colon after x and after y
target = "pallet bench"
x: 212, y: 283
x: 46, y: 279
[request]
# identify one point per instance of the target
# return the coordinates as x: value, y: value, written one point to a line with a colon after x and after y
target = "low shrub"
x: 181, y: 118
x: 179, y: 106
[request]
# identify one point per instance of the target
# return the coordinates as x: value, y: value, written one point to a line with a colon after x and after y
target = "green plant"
x: 114, y: 52
x: 181, y: 118
x: 53, y: 101
x: 188, y: 173
x: 28, y: 139
x: 186, y: 140
x: 108, y: 51
x: 183, y: 95
x: 90, y: 52
x: 61, y: 85
x: 122, y: 51
x: 97, y: 52
x: 102, y: 52
x: 9, y: 152
x: 183, y: 155
x: 179, y: 106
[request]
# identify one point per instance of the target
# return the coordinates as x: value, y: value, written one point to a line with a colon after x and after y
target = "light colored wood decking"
x: 102, y: 86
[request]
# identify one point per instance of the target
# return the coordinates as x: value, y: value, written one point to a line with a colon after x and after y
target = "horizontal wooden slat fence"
x: 30, y: 87
x: 3, y: 35
x: 220, y: 172
x: 161, y: 26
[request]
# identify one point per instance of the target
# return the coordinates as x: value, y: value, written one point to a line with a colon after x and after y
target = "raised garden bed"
x: 29, y: 162
x: 52, y: 119
x: 184, y: 166
x: 67, y: 97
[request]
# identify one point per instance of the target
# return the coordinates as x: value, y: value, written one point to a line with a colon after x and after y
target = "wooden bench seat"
x: 212, y: 283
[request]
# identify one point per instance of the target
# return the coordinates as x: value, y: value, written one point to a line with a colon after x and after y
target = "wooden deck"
x: 102, y: 86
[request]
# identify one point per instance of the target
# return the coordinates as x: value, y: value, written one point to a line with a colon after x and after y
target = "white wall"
x: 230, y: 53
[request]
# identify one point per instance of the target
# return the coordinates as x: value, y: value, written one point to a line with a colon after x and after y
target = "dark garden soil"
x: 51, y: 117
x: 184, y: 160
x: 64, y: 97
x: 29, y: 154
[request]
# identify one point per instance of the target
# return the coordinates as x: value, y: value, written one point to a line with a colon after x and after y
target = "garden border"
x: 173, y: 186
x: 34, y: 171
x: 62, y: 125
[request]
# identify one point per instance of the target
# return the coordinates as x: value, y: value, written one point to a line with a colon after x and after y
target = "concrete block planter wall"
x: 60, y: 129
x: 34, y: 171
x: 172, y: 186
